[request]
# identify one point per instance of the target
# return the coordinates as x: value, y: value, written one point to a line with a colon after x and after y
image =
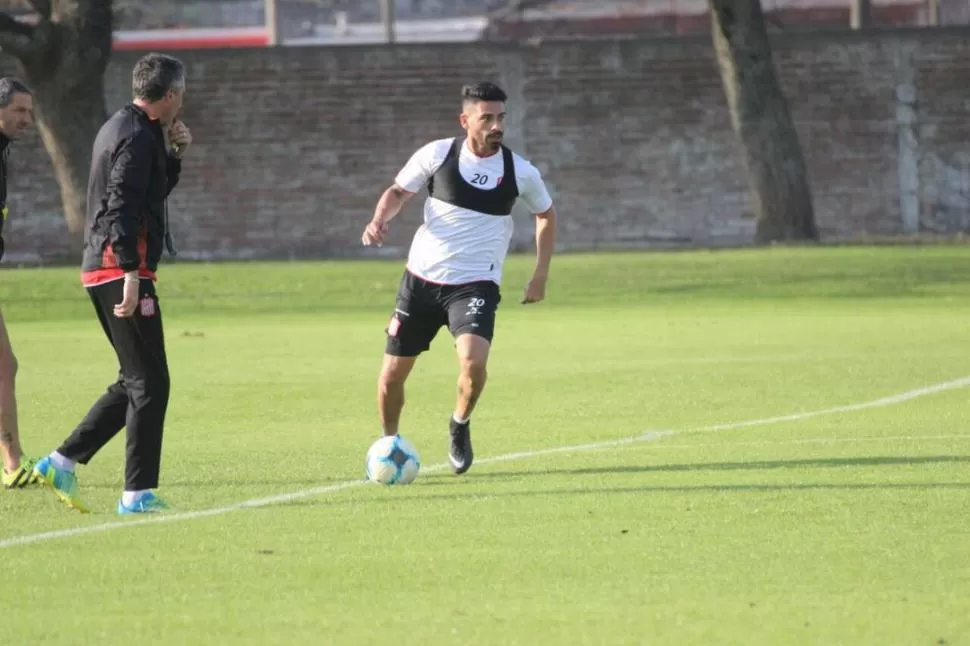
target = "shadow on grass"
x: 429, y: 487
x: 419, y: 494
x: 823, y: 463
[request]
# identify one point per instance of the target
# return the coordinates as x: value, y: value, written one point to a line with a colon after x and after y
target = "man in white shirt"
x: 454, y: 266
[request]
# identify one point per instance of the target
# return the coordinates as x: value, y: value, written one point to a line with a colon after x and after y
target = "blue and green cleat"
x: 147, y: 503
x: 62, y: 482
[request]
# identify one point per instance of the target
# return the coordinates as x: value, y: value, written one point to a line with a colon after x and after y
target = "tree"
x: 759, y: 113
x: 62, y: 56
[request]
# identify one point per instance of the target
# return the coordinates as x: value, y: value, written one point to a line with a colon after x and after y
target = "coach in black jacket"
x: 134, y: 166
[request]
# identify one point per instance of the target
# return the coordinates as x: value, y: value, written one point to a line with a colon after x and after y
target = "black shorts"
x: 422, y: 307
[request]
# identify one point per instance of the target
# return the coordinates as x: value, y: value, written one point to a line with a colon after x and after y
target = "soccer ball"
x: 392, y: 460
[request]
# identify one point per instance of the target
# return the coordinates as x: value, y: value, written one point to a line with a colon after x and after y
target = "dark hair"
x: 155, y: 75
x: 482, y: 92
x: 9, y: 86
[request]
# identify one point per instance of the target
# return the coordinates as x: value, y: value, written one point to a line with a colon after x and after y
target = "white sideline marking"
x: 898, y: 398
x: 317, y: 491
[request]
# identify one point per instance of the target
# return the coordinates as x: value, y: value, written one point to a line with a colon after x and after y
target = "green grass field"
x: 671, y: 520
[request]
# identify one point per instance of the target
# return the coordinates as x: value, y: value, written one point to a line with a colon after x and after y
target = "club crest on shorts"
x: 147, y: 306
x: 394, y: 326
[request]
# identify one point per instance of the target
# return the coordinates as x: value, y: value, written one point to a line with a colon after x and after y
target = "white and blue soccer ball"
x: 392, y: 460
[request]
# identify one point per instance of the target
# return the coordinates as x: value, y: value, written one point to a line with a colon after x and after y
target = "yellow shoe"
x: 21, y: 476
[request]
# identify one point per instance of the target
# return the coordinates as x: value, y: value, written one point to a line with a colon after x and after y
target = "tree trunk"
x: 63, y: 60
x: 773, y: 158
x: 70, y: 110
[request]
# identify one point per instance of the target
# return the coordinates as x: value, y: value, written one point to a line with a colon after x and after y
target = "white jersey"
x: 456, y: 245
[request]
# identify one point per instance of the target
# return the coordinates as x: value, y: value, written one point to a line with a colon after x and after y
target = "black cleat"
x: 461, y: 454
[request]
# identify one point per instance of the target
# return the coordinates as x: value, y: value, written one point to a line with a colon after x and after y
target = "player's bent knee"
x: 474, y: 369
x: 8, y: 367
x: 472, y: 350
x: 396, y: 369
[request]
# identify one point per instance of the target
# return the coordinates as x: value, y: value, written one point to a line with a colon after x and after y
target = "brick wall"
x: 294, y: 146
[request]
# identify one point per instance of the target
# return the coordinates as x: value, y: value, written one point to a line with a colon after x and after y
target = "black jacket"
x: 4, y: 152
x: 132, y: 173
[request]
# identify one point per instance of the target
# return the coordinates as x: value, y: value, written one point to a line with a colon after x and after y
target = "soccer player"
x: 454, y: 266
x: 16, y: 115
x: 135, y: 164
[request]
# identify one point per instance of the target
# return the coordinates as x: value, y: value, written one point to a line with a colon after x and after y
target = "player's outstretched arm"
x: 535, y: 289
x: 390, y: 204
